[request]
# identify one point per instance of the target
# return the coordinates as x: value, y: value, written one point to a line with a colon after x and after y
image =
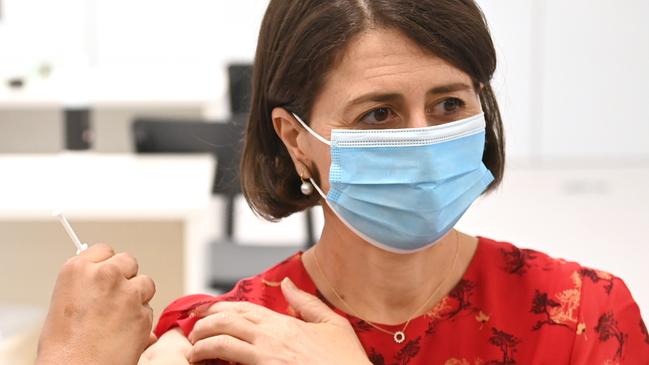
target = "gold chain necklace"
x: 398, y: 336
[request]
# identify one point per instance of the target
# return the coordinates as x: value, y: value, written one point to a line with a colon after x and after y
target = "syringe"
x: 80, y: 246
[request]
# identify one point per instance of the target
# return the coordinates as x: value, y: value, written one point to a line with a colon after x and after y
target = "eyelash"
x: 460, y: 104
x: 364, y: 116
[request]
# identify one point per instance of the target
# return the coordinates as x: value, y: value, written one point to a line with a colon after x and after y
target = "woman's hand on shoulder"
x: 250, y: 334
x: 172, y: 348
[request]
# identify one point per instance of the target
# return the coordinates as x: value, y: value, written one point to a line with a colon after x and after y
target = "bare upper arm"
x: 172, y: 348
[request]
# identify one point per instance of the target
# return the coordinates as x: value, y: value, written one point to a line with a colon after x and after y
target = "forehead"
x: 387, y: 58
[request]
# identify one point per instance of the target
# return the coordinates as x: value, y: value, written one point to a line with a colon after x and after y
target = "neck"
x: 380, y: 286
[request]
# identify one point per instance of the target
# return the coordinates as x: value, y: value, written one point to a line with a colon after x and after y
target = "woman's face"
x: 384, y: 80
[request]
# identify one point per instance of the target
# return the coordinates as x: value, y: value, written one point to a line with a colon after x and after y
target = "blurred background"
x: 127, y: 115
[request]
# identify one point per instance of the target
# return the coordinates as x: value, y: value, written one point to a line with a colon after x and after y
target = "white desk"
x: 128, y: 85
x: 153, y: 207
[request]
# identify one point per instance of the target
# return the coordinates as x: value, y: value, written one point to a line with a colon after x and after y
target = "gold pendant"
x: 399, y: 337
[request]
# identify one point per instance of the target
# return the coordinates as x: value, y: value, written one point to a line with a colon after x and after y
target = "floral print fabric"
x: 512, y: 306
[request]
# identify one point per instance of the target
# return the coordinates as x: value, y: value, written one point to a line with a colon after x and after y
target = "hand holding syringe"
x: 97, y: 289
x: 80, y: 246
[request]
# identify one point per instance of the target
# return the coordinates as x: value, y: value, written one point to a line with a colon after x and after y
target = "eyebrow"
x: 458, y: 86
x: 442, y: 89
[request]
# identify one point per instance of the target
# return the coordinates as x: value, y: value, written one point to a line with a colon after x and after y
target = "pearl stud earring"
x: 306, y: 188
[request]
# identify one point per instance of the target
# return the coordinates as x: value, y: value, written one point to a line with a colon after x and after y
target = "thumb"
x: 307, y: 306
x: 152, y: 339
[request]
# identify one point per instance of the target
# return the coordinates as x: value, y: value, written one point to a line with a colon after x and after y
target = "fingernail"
x: 289, y: 283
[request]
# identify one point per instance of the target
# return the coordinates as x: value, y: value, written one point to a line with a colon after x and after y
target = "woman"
x: 382, y: 112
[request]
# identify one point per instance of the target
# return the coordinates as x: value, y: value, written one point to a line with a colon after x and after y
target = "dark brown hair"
x: 301, y: 40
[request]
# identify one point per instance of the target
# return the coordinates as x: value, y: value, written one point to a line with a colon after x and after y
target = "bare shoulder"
x: 172, y: 348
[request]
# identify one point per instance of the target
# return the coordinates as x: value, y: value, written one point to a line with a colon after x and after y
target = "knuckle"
x: 108, y: 272
x: 147, y: 313
x: 311, y: 301
x: 223, y: 319
x: 131, y: 258
x: 222, y: 343
x: 199, y: 326
x: 147, y: 317
x: 134, y: 295
x: 148, y: 283
x: 129, y: 300
x: 72, y: 265
x: 245, y: 306
x: 144, y: 289
x: 201, y: 347
x: 103, y: 247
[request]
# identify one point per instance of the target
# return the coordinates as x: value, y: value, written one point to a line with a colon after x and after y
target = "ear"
x: 289, y: 131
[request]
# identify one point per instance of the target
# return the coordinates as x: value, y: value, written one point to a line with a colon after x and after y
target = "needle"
x: 75, y: 239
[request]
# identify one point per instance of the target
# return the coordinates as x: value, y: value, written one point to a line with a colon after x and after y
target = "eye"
x: 446, y: 110
x: 378, y: 116
x: 452, y: 104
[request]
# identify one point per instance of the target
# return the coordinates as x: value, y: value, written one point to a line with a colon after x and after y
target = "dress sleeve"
x: 610, y: 329
x: 182, y: 313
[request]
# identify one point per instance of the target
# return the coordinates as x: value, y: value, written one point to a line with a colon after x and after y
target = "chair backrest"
x: 224, y: 140
x: 240, y: 79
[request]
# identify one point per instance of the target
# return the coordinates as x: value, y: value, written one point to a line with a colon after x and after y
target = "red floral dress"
x: 512, y: 306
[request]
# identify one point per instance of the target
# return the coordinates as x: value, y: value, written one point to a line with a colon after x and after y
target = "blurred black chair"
x: 240, y: 79
x: 223, y: 140
x: 229, y: 260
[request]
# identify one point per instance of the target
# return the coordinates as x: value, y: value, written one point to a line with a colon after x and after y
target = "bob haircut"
x: 301, y: 40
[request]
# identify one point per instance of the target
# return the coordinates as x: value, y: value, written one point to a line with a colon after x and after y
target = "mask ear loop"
x: 319, y: 138
x: 311, y: 131
x: 317, y: 188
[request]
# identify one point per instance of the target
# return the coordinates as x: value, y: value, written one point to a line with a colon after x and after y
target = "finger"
x: 223, y: 323
x: 98, y: 253
x: 252, y: 312
x: 126, y: 263
x: 308, y: 307
x: 226, y: 348
x: 152, y: 339
x: 145, y: 286
x: 150, y: 313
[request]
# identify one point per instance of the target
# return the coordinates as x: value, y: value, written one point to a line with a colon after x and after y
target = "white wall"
x: 594, y: 94
x: 571, y: 75
x: 121, y: 51
x: 511, y: 25
x: 571, y: 78
x: 184, y: 44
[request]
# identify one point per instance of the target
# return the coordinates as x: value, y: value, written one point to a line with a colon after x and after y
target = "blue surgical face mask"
x: 402, y: 190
